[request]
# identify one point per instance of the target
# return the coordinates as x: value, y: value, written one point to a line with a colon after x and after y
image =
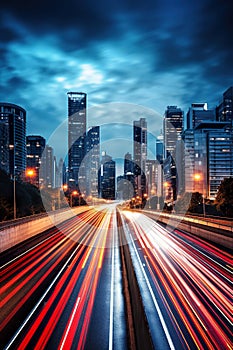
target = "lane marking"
x: 27, y: 251
x: 172, y: 347
x: 71, y: 320
x: 110, y: 344
x: 40, y: 300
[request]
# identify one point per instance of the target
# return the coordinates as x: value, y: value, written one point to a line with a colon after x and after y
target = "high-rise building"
x: 220, y: 158
x: 35, y: 145
x: 125, y: 186
x: 225, y: 109
x: 128, y: 164
x: 77, y: 103
x: 151, y: 173
x: 199, y: 113
x: 213, y: 161
x: 60, y: 176
x: 47, y: 169
x: 140, y: 155
x: 92, y: 160
x: 13, y: 138
x: 140, y: 145
x: 172, y: 129
x: 188, y: 160
x: 4, y: 147
x: 159, y: 148
x: 107, y: 177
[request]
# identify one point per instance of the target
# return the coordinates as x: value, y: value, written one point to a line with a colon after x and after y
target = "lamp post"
x: 198, y: 178
x: 14, y: 196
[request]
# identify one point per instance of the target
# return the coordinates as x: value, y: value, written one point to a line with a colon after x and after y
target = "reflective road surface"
x: 63, y: 288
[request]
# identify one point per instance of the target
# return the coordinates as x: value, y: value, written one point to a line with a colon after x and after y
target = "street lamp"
x: 198, y: 177
x: 30, y: 173
x: 65, y: 187
x: 14, y: 195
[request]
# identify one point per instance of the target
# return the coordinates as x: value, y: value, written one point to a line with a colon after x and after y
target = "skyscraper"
x: 151, y: 173
x: 199, y: 113
x: 77, y: 103
x: 140, y: 154
x: 213, y: 161
x: 92, y: 160
x: 159, y: 148
x: 172, y: 129
x: 128, y: 164
x: 13, y: 138
x: 107, y: 177
x: 225, y: 109
x: 4, y: 147
x: 48, y: 168
x: 35, y: 145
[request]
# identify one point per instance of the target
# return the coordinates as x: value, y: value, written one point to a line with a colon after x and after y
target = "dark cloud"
x: 147, y: 52
x: 70, y: 19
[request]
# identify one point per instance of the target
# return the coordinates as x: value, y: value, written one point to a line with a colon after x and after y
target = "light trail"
x: 166, y: 331
x: 50, y: 256
x: 188, y: 282
x: 190, y: 276
x: 110, y: 345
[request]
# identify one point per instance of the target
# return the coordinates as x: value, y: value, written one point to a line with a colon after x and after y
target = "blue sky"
x: 153, y: 53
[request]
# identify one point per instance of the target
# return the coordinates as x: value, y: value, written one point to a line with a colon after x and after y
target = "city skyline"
x: 153, y: 54
x: 177, y: 126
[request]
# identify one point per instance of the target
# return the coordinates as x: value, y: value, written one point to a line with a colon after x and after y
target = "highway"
x: 63, y: 288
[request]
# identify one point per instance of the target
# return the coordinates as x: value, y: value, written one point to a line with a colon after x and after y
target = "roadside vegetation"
x: 28, y: 198
x: 221, y: 206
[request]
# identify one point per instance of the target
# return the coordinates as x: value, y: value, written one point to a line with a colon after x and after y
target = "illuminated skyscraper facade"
x: 140, y: 155
x: 172, y: 130
x: 107, y: 177
x: 35, y: 145
x: 92, y: 160
x: 13, y: 138
x: 225, y: 109
x: 77, y: 103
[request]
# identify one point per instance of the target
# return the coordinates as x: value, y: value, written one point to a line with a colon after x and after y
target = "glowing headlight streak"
x: 90, y: 284
x: 56, y: 253
x: 87, y: 292
x: 181, y: 267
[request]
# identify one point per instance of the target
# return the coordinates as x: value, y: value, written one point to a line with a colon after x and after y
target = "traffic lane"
x: 201, y: 307
x: 22, y: 292
x: 65, y: 318
x: 108, y: 327
x: 22, y: 248
x: 161, y: 329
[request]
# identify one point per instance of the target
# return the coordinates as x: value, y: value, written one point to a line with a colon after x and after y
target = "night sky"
x: 153, y: 53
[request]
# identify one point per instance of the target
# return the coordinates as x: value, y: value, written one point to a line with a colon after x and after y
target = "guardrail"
x: 22, y: 229
x: 222, y: 224
x: 219, y: 233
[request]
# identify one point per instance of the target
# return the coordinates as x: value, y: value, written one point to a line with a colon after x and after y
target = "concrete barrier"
x: 203, y: 231
x: 20, y: 232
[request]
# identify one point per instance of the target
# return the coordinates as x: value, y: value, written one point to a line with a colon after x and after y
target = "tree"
x: 188, y: 202
x: 28, y: 198
x: 224, y: 198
